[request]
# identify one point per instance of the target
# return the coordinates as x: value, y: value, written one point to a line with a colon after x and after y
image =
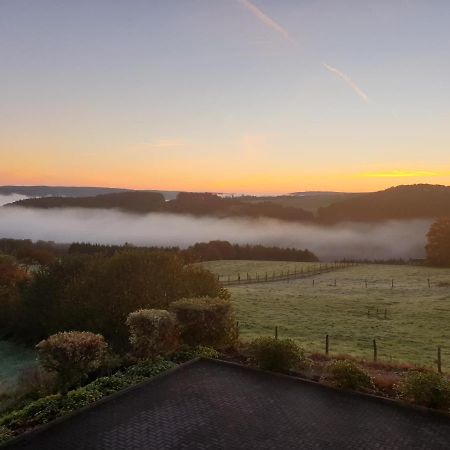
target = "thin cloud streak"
x: 348, y: 80
x: 265, y: 19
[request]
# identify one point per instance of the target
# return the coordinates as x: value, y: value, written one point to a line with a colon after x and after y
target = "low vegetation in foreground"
x: 162, y: 312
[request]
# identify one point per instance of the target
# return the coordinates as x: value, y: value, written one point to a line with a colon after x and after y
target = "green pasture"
x: 408, y: 321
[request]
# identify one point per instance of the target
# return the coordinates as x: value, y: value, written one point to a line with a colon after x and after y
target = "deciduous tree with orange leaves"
x: 438, y: 246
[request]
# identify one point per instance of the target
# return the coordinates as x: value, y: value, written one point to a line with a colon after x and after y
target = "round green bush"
x: 5, y: 434
x: 347, y: 375
x: 153, y: 332
x: 206, y: 321
x: 72, y: 355
x: 277, y: 355
x: 425, y: 388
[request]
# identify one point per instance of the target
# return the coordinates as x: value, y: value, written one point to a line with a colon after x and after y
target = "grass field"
x: 233, y: 268
x: 13, y: 359
x: 418, y: 316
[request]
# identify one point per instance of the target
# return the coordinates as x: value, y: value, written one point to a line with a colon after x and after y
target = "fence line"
x: 438, y: 361
x: 266, y: 277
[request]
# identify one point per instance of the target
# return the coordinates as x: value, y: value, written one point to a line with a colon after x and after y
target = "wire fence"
x: 267, y: 277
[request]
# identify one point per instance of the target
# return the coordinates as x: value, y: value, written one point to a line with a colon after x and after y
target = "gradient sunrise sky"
x: 262, y: 96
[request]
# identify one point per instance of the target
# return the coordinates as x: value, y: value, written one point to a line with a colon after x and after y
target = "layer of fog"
x: 4, y: 199
x: 395, y: 239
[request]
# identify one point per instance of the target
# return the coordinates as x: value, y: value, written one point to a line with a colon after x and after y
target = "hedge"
x: 49, y: 408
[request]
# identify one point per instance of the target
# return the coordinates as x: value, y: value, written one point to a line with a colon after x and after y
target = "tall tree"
x: 438, y: 246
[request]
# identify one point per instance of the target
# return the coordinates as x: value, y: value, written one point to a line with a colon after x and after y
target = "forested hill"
x: 73, y: 191
x: 185, y: 203
x: 65, y: 191
x: 401, y: 202
x: 133, y: 201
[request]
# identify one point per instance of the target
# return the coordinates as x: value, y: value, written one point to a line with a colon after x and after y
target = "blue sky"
x: 260, y: 96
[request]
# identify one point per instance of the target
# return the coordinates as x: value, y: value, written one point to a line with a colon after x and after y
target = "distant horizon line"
x: 228, y: 193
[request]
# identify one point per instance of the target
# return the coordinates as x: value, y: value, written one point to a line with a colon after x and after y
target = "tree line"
x: 400, y: 203
x: 185, y: 203
x: 95, y: 292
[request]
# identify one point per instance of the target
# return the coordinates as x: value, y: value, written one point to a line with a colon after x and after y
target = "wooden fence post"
x: 392, y: 285
x: 375, y: 350
x: 439, y: 360
x: 366, y: 283
x: 327, y: 345
x: 314, y: 282
x: 429, y: 283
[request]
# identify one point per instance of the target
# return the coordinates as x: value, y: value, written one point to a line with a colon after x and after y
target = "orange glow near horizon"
x: 208, y: 181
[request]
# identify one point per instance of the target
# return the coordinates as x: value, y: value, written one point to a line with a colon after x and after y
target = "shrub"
x: 186, y: 353
x: 425, y: 388
x: 35, y: 380
x: 111, y: 384
x: 347, y: 375
x: 149, y: 369
x: 72, y: 355
x: 278, y: 355
x: 153, y: 332
x: 5, y: 434
x: 386, y: 382
x: 49, y: 408
x: 79, y: 398
x: 38, y: 412
x: 206, y: 321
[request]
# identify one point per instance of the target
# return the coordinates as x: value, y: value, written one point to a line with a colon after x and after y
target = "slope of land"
x: 134, y: 201
x: 69, y: 191
x: 396, y: 203
x: 306, y: 200
x: 417, y: 316
x: 185, y: 203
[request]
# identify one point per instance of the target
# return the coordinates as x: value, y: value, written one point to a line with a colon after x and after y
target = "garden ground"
x: 209, y: 404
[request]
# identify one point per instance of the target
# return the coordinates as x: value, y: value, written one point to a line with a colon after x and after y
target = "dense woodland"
x: 95, y: 292
x: 397, y: 203
x: 217, y: 250
x: 438, y: 246
x: 42, y: 253
x: 185, y: 203
x: 420, y: 201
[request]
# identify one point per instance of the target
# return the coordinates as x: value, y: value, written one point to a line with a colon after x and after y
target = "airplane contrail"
x: 348, y: 80
x: 265, y: 19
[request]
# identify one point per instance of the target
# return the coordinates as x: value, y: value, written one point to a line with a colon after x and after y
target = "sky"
x: 260, y: 96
